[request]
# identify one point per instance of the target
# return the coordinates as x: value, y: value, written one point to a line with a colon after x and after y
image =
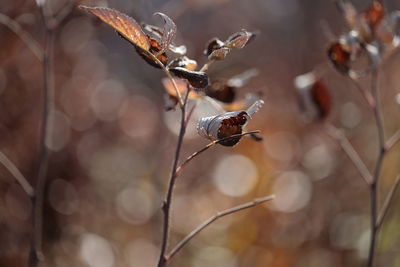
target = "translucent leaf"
x: 122, y: 23
x: 239, y: 40
x: 374, y: 14
x: 169, y: 31
x: 219, y: 54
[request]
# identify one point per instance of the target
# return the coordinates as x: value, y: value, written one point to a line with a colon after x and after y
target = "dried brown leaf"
x: 195, y: 78
x: 122, y: 23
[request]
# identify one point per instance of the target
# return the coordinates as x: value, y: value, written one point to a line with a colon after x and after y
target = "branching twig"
x: 217, y: 216
x: 16, y: 174
x: 23, y: 35
x: 388, y: 201
x: 354, y: 157
x: 195, y: 154
x: 171, y: 184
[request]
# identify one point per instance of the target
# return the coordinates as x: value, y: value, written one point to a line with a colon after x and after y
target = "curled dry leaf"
x: 157, y: 33
x: 314, y: 98
x: 239, y: 40
x: 169, y: 31
x: 374, y: 14
x: 225, y: 91
x: 340, y: 56
x: 183, y: 62
x: 226, y: 125
x: 212, y: 45
x: 218, y: 50
x: 196, y: 79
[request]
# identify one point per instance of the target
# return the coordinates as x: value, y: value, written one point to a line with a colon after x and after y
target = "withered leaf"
x: 212, y: 45
x: 231, y: 126
x: 195, y: 78
x: 340, y: 56
x: 122, y: 23
x: 171, y: 96
x: 239, y: 40
x: 183, y: 62
x: 154, y: 49
x: 374, y: 14
x: 321, y: 98
x: 221, y: 91
x: 169, y: 31
x: 219, y: 54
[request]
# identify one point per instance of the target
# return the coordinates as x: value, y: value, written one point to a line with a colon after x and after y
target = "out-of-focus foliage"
x: 113, y: 142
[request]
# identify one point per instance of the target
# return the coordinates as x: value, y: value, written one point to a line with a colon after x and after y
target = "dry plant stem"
x: 16, y: 174
x: 198, y: 152
x: 354, y: 157
x: 394, y: 140
x: 171, y: 184
x: 217, y: 216
x: 387, y: 203
x: 48, y: 101
x: 377, y: 170
x: 368, y: 97
x: 23, y: 35
x: 206, y: 66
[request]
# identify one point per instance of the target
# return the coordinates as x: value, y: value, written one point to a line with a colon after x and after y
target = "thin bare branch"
x: 171, y: 184
x: 368, y: 97
x: 198, y: 152
x: 387, y: 203
x: 217, y: 216
x: 29, y: 41
x: 16, y: 174
x: 377, y: 110
x: 393, y: 141
x: 354, y: 157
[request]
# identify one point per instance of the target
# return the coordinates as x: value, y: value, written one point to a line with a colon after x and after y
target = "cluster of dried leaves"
x: 154, y: 43
x: 371, y: 36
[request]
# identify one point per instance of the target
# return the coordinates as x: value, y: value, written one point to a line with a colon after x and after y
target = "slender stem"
x: 217, y: 216
x: 206, y: 66
x: 354, y: 157
x: 198, y: 152
x: 23, y: 35
x: 189, y: 116
x: 48, y: 105
x: 19, y: 177
x: 168, y: 198
x: 377, y: 170
x: 394, y: 140
x: 387, y: 203
x: 368, y: 97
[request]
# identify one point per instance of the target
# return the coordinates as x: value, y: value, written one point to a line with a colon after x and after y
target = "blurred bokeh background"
x: 112, y: 144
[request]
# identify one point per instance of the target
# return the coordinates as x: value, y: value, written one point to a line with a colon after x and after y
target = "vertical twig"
x: 48, y: 102
x: 377, y: 169
x: 166, y: 207
x: 388, y: 201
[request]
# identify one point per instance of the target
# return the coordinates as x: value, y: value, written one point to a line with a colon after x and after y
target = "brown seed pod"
x: 225, y: 125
